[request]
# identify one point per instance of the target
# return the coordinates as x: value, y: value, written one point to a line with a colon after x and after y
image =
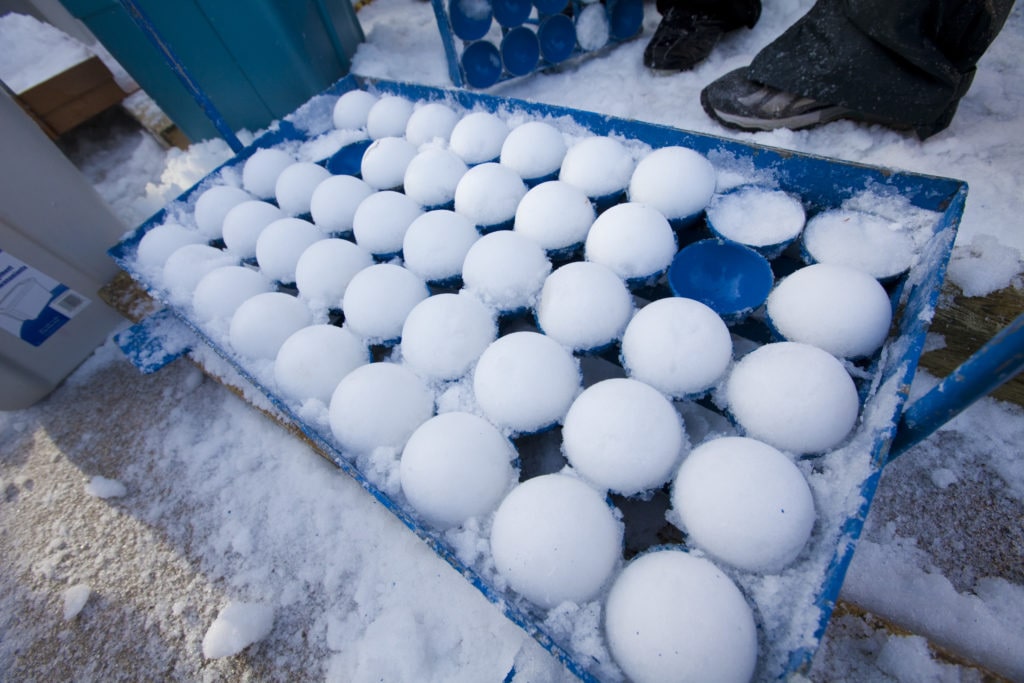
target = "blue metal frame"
x: 822, y: 183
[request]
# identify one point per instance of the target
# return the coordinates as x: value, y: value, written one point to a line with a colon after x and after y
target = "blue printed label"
x: 33, y: 306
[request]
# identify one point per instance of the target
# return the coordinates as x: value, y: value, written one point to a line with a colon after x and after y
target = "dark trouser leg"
x: 733, y: 13
x: 907, y: 62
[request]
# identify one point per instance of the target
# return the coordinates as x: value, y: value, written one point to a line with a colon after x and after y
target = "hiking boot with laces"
x: 682, y: 40
x: 735, y: 101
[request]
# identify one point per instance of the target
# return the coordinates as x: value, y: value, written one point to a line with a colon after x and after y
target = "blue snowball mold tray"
x: 793, y: 607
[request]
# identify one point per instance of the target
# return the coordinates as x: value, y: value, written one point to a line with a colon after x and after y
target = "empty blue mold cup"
x: 348, y: 160
x: 511, y: 13
x: 520, y: 51
x: 481, y: 62
x: 557, y: 36
x: 731, y: 279
x: 471, y: 19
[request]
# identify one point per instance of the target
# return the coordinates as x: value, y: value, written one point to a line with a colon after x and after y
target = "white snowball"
x: 624, y: 436
x: 436, y: 244
x: 555, y: 215
x: 381, y: 221
x: 221, y: 291
x: 634, y: 240
x: 384, y: 162
x: 430, y: 122
x: 239, y: 625
x: 262, y: 323
x: 584, y: 306
x: 793, y: 396
x: 432, y: 176
x: 213, y: 205
x: 672, y: 616
x: 325, y: 268
x: 334, y: 203
x: 295, y: 186
x: 488, y: 194
x: 261, y: 170
x: 352, y: 109
x: 592, y: 27
x: 378, y: 405
x: 187, y: 265
x: 598, y: 165
x: 534, y: 150
x: 378, y: 299
x: 745, y: 503
x: 445, y: 334
x: 554, y: 539
x: 676, y: 181
x: 280, y: 245
x: 757, y: 217
x: 388, y: 117
x: 874, y: 244
x: 525, y: 382
x: 505, y: 270
x: 456, y: 466
x: 839, y: 309
x: 244, y: 223
x: 161, y: 241
x: 478, y: 137
x: 312, y: 361
x: 679, y: 346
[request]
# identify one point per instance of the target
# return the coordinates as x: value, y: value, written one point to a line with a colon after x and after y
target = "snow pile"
x: 43, y: 51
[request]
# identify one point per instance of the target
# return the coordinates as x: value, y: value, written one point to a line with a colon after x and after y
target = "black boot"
x: 690, y: 29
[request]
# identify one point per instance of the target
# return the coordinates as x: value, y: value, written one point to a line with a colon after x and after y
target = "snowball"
x: 672, y: 616
x: 456, y: 466
x: 187, y: 265
x: 592, y: 27
x: 430, y: 122
x: 213, y: 205
x: 436, y: 244
x: 432, y: 176
x: 533, y: 150
x: 445, y: 334
x: 384, y: 162
x: 388, y: 117
x: 334, y: 202
x: 101, y: 487
x: 526, y: 381
x: 381, y: 220
x: 352, y: 110
x: 312, y: 361
x: 744, y: 503
x: 244, y: 223
x: 75, y: 598
x: 378, y: 405
x: 623, y: 435
x: 378, y: 299
x: 792, y: 396
x: 876, y: 245
x: 261, y: 170
x: 162, y: 241
x: 280, y: 245
x: 676, y: 181
x: 239, y: 625
x: 263, y: 322
x: 505, y: 270
x: 634, y: 240
x: 295, y: 186
x: 325, y: 268
x: 554, y: 539
x: 839, y: 309
x: 221, y: 291
x: 757, y: 217
x: 478, y: 137
x: 598, y: 165
x: 679, y: 346
x: 555, y: 215
x: 584, y: 306
x: 488, y: 194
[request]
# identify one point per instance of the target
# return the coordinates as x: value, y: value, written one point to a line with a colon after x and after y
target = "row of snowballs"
x: 619, y: 435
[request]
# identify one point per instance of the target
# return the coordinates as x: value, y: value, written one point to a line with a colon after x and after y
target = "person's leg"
x: 690, y: 29
x: 905, y: 64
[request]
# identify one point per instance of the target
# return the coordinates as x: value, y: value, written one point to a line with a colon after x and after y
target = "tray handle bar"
x: 998, y: 361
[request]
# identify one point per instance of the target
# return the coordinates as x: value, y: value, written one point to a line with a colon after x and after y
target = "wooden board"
x: 72, y: 96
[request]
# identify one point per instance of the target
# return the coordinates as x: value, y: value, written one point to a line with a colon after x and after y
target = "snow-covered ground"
x: 199, y: 526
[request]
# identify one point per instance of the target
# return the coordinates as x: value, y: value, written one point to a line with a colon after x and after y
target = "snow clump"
x: 352, y: 110
x: 381, y: 220
x: 432, y: 176
x: 385, y: 161
x: 598, y: 165
x: 221, y: 291
x: 263, y: 322
x: 489, y: 194
x: 388, y: 117
x: 239, y: 625
x: 555, y: 215
x: 430, y: 122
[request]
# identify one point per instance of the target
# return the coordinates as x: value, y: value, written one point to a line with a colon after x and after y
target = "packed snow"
x: 243, y: 224
x: 634, y: 240
x: 676, y: 181
x: 768, y: 220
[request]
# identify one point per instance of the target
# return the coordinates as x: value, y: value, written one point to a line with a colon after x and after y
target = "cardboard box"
x: 72, y: 97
